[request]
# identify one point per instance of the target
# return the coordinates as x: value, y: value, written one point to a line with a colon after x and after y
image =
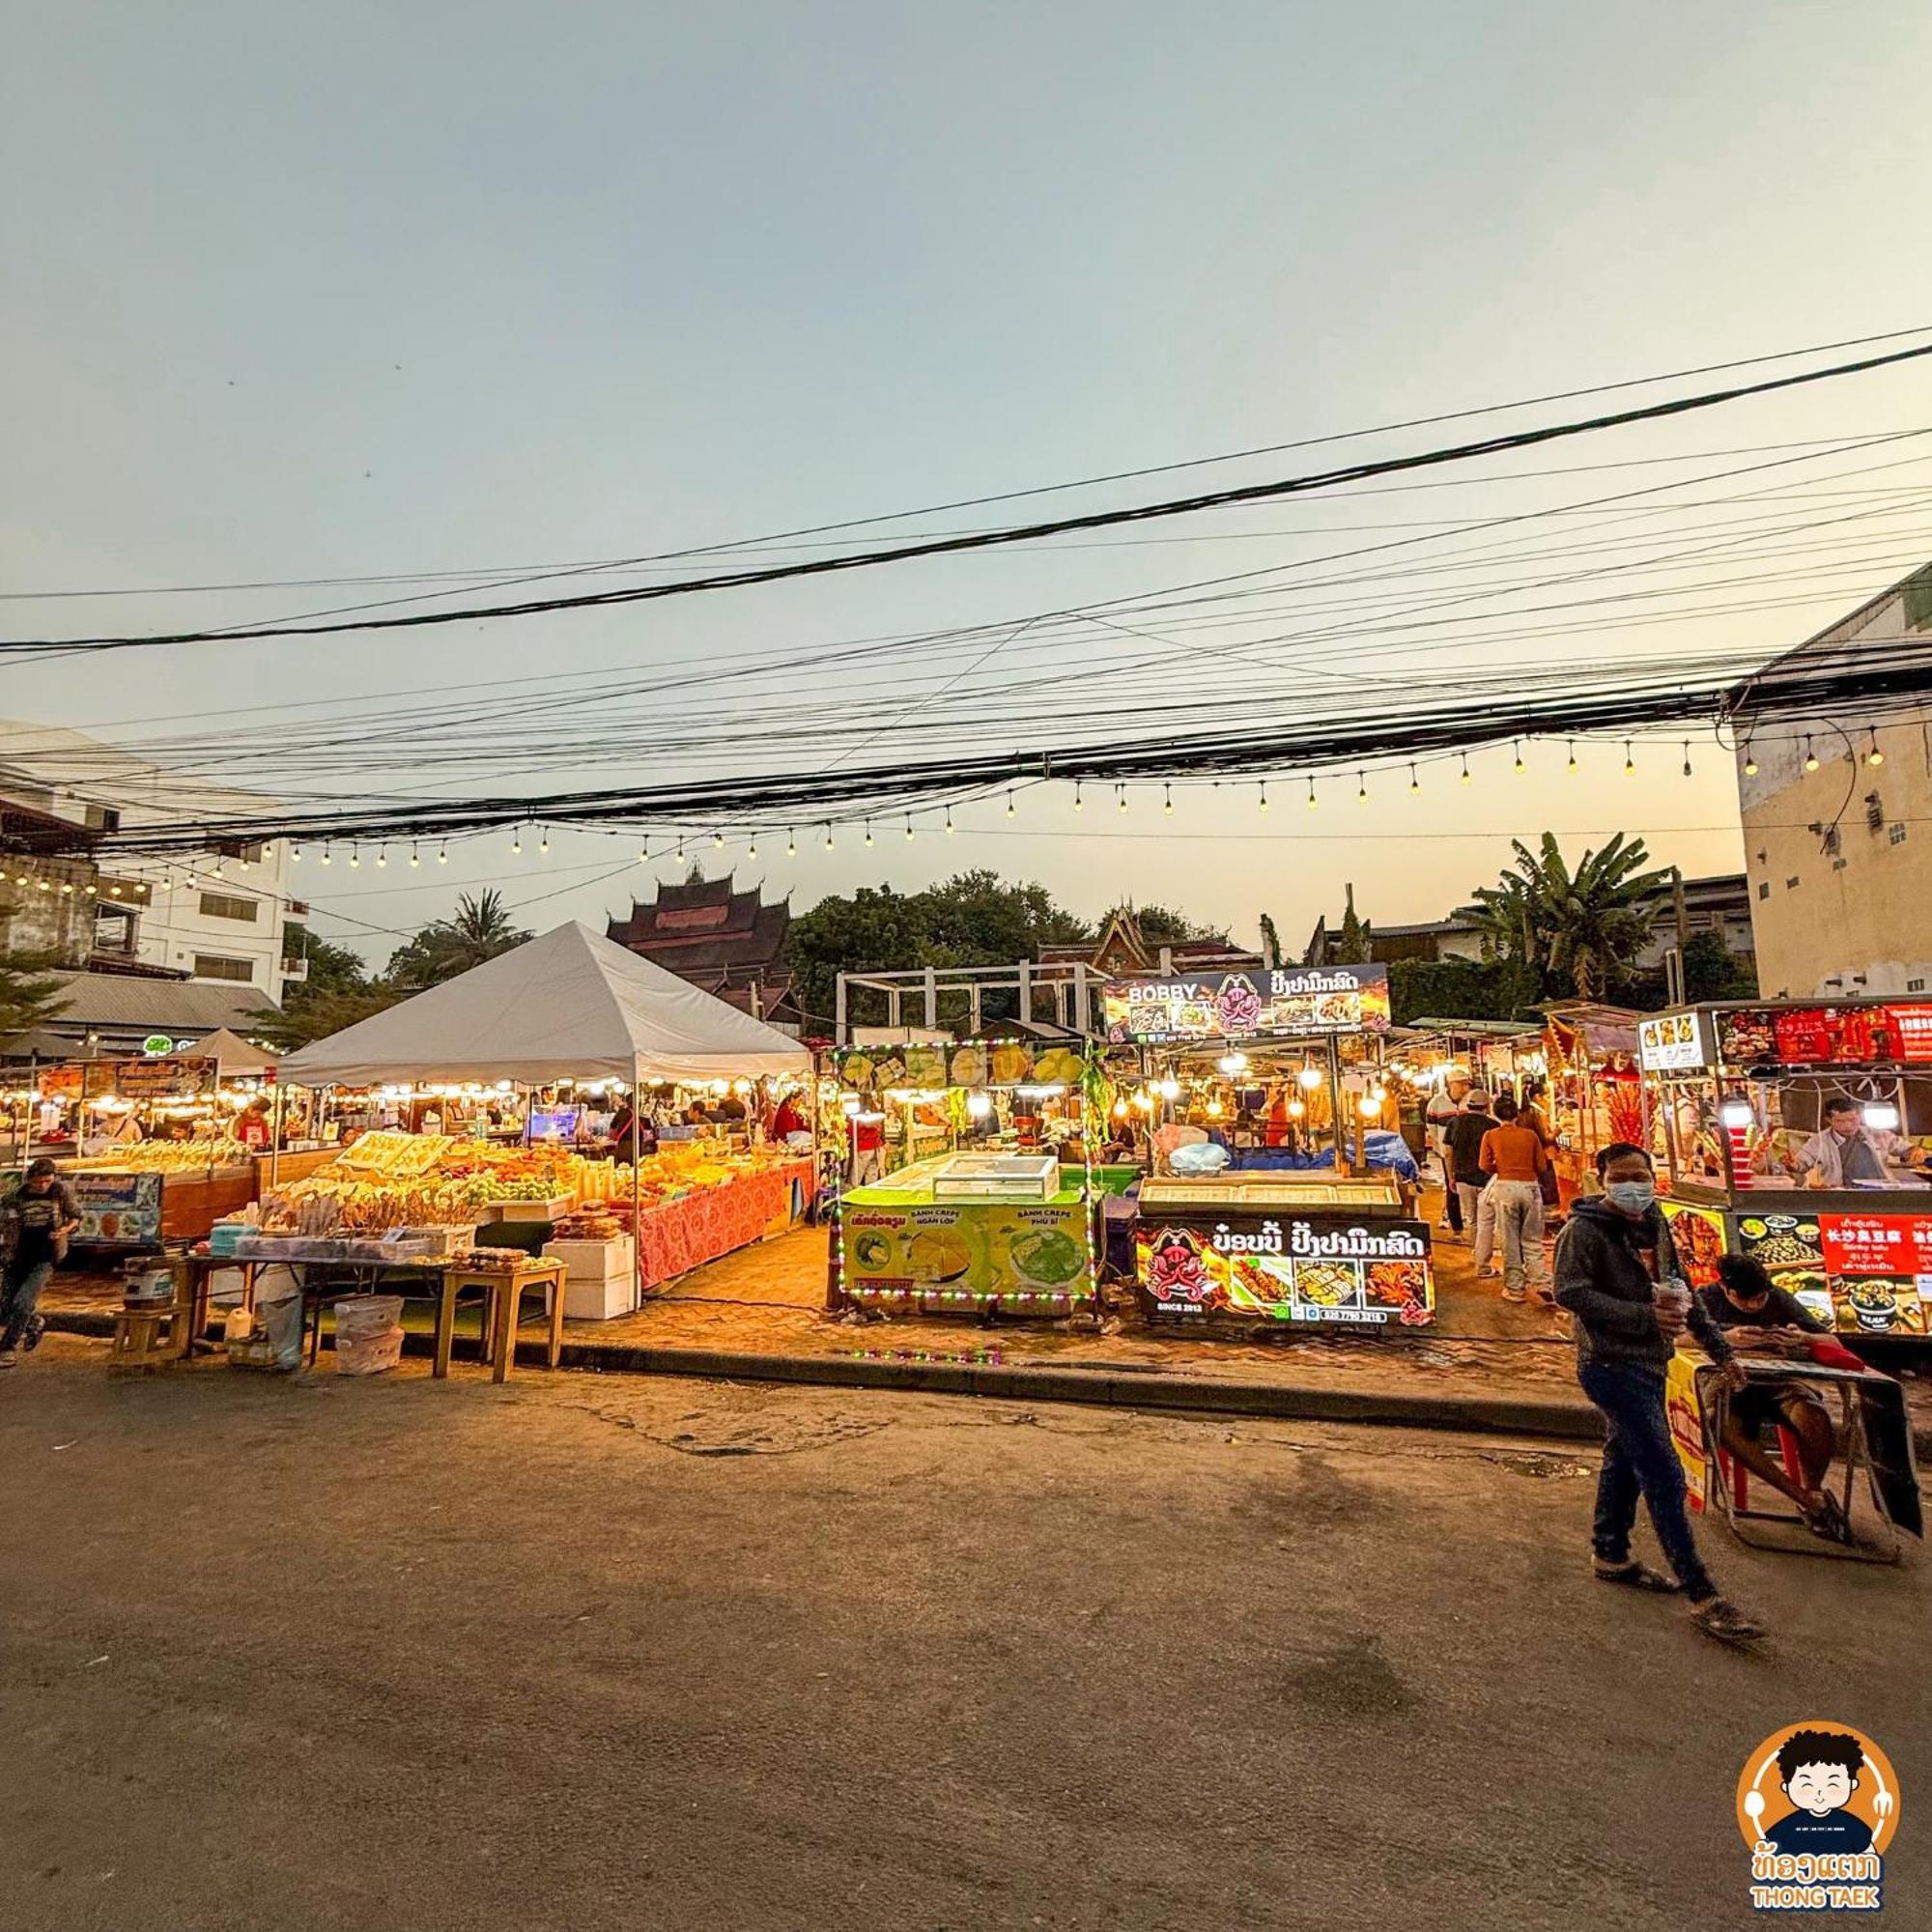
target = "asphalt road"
x: 594, y: 1652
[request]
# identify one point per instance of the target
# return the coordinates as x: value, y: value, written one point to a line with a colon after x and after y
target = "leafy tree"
x: 30, y: 995
x: 1569, y: 931
x: 331, y: 968
x: 1270, y: 941
x: 478, y: 932
x: 1161, y: 925
x: 1455, y: 989
x: 1352, y: 943
x: 1711, y: 971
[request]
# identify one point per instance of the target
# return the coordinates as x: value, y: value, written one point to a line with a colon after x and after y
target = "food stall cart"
x: 1292, y: 1231
x: 1596, y: 1095
x: 1733, y: 1092
x: 995, y: 1223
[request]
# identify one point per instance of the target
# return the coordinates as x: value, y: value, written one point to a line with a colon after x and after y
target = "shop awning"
x: 229, y: 1051
x: 569, y: 1005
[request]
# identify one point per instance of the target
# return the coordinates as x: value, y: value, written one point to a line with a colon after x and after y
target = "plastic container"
x: 368, y: 1334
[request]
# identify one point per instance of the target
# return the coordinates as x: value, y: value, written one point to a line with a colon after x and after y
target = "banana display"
x: 170, y: 1157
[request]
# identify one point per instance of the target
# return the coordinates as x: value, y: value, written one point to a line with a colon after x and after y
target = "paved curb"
x: 1155, y: 1389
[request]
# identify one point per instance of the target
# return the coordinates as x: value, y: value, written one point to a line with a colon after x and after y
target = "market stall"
x: 1596, y: 1096
x: 992, y: 1220
x: 1284, y: 1194
x: 569, y: 1006
x: 1740, y: 1102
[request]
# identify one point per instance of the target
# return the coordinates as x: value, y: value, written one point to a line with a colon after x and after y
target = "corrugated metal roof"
x: 167, y: 1006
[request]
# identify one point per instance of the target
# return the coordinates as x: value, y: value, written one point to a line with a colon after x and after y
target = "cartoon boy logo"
x: 1818, y: 1806
x: 1819, y: 1770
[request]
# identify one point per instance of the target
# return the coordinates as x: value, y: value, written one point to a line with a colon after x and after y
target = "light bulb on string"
x: 1516, y: 745
x: 1414, y: 782
x: 1313, y: 801
x: 326, y: 860
x: 1466, y: 768
x: 354, y: 860
x: 752, y: 849
x: 1573, y: 754
x: 543, y: 840
x: 948, y: 821
x: 1686, y: 757
x: 1264, y: 795
x: 1079, y: 803
x: 791, y: 845
x: 1811, y: 756
x: 718, y: 839
x: 218, y: 868
x: 1750, y: 760
x: 382, y: 855
x: 294, y: 856
x: 1873, y: 755
x: 1009, y: 804
x: 416, y: 857
x: 516, y: 841
x: 1167, y: 800
x: 869, y: 831
x: 908, y: 828
x: 1629, y: 764
x: 442, y: 853
x: 1121, y: 796
x: 828, y: 837
x: 1361, y: 788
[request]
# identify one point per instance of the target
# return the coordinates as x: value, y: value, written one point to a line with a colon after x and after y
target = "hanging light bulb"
x: 1414, y: 782
x: 1361, y: 788
x: 1310, y: 1076
x: 382, y: 855
x: 908, y: 828
x: 516, y: 841
x: 1573, y: 754
x: 354, y: 860
x: 1811, y: 756
x: 543, y: 841
x: 1009, y: 802
x: 1296, y: 1110
x: 1121, y: 796
x: 644, y: 856
x: 1516, y: 745
x: 1079, y: 803
x: 416, y: 857
x: 1466, y: 768
x: 718, y: 838
x: 1264, y: 795
x: 1629, y: 764
x: 325, y: 857
x: 1750, y: 760
x: 1874, y: 756
x: 791, y: 845
x: 295, y: 855
x: 218, y: 867
x: 442, y: 852
x: 1686, y: 757
x: 869, y: 831
x: 1313, y: 801
x: 948, y: 821
x: 751, y: 850
x: 1167, y: 800
x: 827, y: 839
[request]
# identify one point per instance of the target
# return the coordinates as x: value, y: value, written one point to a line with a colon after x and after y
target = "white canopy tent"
x: 568, y: 1006
x: 230, y: 1052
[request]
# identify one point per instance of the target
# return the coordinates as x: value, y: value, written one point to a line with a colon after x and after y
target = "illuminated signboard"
x: 1324, y: 1269
x: 1825, y: 1036
x: 1866, y: 1273
x: 1672, y: 1043
x: 1279, y: 1002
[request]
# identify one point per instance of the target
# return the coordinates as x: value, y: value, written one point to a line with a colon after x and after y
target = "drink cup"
x: 1673, y: 1293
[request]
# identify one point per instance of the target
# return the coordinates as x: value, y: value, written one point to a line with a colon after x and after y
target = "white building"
x: 217, y: 917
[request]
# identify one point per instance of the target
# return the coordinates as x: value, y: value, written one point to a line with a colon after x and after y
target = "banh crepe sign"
x: 973, y: 1063
x: 1280, y: 1003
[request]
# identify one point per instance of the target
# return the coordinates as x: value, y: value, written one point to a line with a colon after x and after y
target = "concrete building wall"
x: 1841, y: 859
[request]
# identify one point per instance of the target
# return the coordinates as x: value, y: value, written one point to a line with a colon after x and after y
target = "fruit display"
x: 169, y: 1158
x: 994, y: 1062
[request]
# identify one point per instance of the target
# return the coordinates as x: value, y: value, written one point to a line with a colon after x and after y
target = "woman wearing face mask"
x: 1617, y: 1273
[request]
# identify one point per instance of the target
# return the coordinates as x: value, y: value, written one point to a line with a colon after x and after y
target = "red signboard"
x: 1888, y: 1244
x: 1825, y: 1036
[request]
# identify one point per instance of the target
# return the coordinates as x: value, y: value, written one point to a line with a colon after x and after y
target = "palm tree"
x: 1579, y: 930
x: 479, y: 930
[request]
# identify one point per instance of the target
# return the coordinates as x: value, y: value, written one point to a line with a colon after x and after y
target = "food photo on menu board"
x: 1825, y: 1036
x: 1866, y: 1274
x: 1280, y: 1001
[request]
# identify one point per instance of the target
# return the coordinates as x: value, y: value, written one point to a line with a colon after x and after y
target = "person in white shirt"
x: 1846, y: 1153
x: 1444, y: 1104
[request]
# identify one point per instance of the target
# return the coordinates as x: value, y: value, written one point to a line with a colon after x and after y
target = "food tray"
x: 336, y: 1248
x: 526, y: 1210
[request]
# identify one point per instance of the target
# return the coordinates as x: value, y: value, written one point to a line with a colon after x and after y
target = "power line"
x: 1025, y: 533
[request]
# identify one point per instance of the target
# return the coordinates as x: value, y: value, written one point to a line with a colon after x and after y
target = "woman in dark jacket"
x: 1612, y: 1259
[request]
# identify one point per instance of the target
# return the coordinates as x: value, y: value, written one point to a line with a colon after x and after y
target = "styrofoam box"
x: 599, y: 1277
x: 599, y: 1300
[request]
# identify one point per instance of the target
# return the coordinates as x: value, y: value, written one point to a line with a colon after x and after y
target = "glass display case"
x: 995, y: 1176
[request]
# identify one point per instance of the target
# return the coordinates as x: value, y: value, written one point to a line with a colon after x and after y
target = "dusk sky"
x: 362, y: 291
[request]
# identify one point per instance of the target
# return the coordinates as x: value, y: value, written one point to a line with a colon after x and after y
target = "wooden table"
x: 505, y: 1289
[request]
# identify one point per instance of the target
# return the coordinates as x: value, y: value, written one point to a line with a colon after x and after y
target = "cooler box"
x: 600, y: 1278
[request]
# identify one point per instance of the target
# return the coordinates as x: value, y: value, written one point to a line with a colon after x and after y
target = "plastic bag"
x: 1204, y: 1157
x: 368, y: 1334
x: 273, y: 1338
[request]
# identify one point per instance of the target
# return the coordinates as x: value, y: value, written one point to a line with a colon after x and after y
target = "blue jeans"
x: 20, y: 1290
x: 1639, y: 1461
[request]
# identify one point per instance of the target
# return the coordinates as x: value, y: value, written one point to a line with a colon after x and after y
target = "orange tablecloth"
x: 687, y: 1233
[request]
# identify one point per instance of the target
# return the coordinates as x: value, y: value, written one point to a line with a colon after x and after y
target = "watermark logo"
x: 1818, y: 1805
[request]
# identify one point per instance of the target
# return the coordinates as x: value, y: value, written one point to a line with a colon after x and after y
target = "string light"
x: 1121, y: 796
x: 416, y: 857
x: 1629, y: 764
x: 1361, y: 788
x: 442, y: 853
x: 828, y: 837
x: 1167, y: 800
x: 1874, y: 756
x: 382, y: 855
x: 644, y: 856
x: 1573, y: 754
x: 1516, y: 745
x: 1750, y: 760
x: 908, y: 828
x: 295, y: 855
x: 752, y: 849
x: 516, y: 842
x: 1686, y: 757
x: 325, y: 858
x: 718, y: 839
x: 1312, y: 800
x: 948, y: 819
x: 1079, y: 803
x: 1264, y: 795
x: 1010, y: 803
x: 869, y: 831
x: 354, y: 860
x: 1466, y: 768
x: 1811, y: 756
x: 543, y: 841
x: 218, y: 867
x: 791, y: 844
x: 1414, y: 782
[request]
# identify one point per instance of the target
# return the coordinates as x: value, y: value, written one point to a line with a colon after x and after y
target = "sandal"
x: 1634, y: 1575
x: 1830, y: 1521
x: 1717, y: 1617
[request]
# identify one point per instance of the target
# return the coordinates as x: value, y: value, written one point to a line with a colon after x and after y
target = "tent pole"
x: 27, y: 1112
x: 636, y: 1161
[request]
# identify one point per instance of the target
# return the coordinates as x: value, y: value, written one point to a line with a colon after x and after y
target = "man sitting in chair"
x: 1763, y: 1319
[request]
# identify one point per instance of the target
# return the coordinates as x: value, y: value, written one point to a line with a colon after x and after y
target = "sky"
x: 297, y: 294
